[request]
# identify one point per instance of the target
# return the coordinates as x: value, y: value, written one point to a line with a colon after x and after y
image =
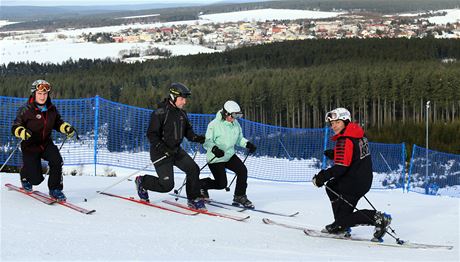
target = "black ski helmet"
x: 179, y: 89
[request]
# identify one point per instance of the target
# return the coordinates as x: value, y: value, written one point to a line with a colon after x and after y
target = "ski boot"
x: 243, y: 201
x: 197, y: 204
x: 382, y: 222
x: 143, y: 194
x: 204, y: 195
x: 26, y: 185
x: 58, y: 195
x: 334, y: 229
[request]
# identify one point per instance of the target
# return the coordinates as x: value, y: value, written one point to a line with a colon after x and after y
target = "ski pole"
x: 228, y: 188
x: 398, y: 241
x: 8, y: 159
x: 62, y: 144
x: 177, y: 192
x: 125, y: 178
x: 392, y: 230
x: 185, y: 178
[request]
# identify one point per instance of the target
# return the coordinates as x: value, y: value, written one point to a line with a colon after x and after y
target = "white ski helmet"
x: 231, y: 108
x: 338, y: 114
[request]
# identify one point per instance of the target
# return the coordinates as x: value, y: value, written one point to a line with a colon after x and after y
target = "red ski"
x: 149, y: 204
x: 44, y: 198
x: 32, y: 194
x: 206, y: 212
x: 67, y: 204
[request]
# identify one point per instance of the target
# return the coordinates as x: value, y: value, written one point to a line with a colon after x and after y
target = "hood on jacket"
x: 351, y: 130
x: 31, y: 101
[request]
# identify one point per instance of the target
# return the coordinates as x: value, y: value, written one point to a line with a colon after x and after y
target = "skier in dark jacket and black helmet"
x: 168, y: 126
x: 33, y: 124
x: 350, y: 177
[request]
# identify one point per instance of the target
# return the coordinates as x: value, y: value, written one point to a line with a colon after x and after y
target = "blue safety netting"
x: 388, y: 163
x: 114, y: 134
x: 439, y: 174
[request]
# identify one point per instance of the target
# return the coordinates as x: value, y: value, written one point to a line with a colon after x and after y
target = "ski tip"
x: 91, y: 211
x: 295, y: 214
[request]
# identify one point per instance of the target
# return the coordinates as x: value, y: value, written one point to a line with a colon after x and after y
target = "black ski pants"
x: 165, y: 171
x: 344, y: 214
x: 220, y: 176
x: 32, y: 167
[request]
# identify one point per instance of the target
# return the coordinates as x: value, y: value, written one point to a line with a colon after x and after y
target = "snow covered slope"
x: 122, y: 230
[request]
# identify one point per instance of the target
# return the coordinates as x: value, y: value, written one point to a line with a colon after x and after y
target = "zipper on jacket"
x: 175, y: 131
x: 44, y: 128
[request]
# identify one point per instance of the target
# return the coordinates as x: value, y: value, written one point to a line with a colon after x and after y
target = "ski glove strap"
x: 67, y: 129
x: 329, y: 154
x: 251, y: 147
x: 217, y: 151
x: 199, y: 139
x: 22, y: 133
x: 319, y: 179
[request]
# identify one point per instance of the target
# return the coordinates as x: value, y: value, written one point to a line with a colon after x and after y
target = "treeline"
x: 52, y: 18
x: 385, y: 83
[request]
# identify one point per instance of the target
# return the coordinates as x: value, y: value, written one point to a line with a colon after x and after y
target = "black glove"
x: 199, y: 139
x: 251, y: 147
x: 329, y: 154
x: 217, y: 152
x: 319, y: 179
x: 164, y: 149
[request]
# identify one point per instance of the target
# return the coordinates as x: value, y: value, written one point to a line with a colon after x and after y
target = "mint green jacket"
x: 224, y: 135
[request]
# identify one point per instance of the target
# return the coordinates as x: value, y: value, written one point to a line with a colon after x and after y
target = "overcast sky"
x: 97, y: 2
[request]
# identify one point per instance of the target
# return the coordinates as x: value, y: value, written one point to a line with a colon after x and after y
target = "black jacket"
x: 352, y: 168
x: 39, y: 123
x: 169, y: 125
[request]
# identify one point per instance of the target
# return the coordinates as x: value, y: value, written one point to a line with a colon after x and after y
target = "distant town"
x: 231, y: 35
x: 224, y: 36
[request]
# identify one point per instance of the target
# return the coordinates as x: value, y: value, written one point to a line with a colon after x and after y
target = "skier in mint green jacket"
x: 223, y: 133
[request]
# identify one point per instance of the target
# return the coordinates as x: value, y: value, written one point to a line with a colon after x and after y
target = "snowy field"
x: 268, y: 15
x: 126, y: 231
x: 59, y: 51
x: 452, y: 16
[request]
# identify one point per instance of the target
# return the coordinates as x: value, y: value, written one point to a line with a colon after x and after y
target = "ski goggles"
x: 331, y: 116
x: 42, y: 87
x: 236, y: 115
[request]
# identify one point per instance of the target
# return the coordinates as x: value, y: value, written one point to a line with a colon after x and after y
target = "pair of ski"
x: 183, y: 209
x: 241, y: 208
x: 46, y: 199
x: 317, y: 233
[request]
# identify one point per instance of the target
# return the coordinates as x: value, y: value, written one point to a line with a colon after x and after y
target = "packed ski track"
x: 123, y: 230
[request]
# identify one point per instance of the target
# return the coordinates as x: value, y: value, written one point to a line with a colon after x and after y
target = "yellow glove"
x: 22, y: 133
x: 67, y: 129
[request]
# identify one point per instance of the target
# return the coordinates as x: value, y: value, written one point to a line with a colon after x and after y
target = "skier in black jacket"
x: 168, y: 126
x: 350, y: 177
x: 33, y: 124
